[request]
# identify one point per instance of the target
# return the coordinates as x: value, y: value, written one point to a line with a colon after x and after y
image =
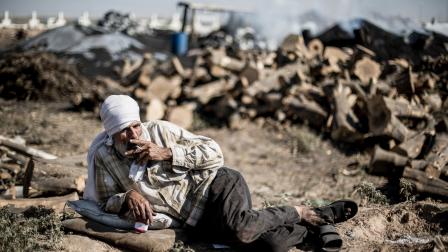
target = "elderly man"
x: 158, y: 167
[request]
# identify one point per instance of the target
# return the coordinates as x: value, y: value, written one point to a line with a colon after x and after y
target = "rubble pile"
x: 41, y: 76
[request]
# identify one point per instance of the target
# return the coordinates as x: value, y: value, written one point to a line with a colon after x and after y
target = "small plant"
x: 367, y: 191
x: 37, y: 228
x: 407, y: 190
x: 302, y: 141
x: 179, y: 246
x: 282, y: 200
x: 316, y: 202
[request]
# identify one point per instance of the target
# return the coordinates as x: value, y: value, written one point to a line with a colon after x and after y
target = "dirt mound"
x: 41, y: 76
x: 403, y: 226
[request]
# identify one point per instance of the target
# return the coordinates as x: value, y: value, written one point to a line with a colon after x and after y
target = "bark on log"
x: 293, y: 43
x: 207, y: 91
x: 402, y: 108
x: 269, y: 103
x: 437, y: 156
x: 20, y: 158
x: 129, y: 67
x: 304, y: 109
x: 412, y: 147
x: 219, y: 57
x: 344, y: 120
x: 419, y: 164
x: 404, y: 81
x: 12, y: 168
x: 251, y: 73
x: 178, y: 67
x: 221, y: 107
x: 272, y: 82
x: 386, y: 163
x: 144, y: 78
x: 434, y: 169
x: 426, y: 184
x: 383, y: 122
x: 433, y: 101
x: 52, y: 178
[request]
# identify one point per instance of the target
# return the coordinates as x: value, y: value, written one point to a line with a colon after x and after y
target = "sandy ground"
x: 281, y: 166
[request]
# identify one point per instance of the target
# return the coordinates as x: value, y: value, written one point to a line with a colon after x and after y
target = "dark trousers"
x: 229, y: 217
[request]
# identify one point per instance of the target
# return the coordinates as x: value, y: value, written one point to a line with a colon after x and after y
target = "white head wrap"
x: 117, y: 113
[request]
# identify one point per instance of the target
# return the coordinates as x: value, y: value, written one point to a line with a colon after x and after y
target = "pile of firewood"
x: 351, y: 94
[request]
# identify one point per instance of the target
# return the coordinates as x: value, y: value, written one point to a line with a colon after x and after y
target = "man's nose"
x: 132, y: 133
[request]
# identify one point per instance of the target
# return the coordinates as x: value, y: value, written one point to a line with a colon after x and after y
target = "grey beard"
x: 121, y: 148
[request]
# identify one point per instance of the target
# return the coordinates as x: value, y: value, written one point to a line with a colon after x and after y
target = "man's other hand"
x: 147, y: 150
x: 139, y: 207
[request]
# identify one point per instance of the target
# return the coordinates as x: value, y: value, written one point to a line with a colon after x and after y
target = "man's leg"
x: 280, y: 239
x: 229, y: 214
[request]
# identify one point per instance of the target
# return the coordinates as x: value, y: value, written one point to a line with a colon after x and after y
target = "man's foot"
x: 338, y: 211
x: 309, y: 216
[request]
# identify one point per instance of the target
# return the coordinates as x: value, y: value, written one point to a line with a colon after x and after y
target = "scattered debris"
x: 38, y: 173
x: 42, y: 76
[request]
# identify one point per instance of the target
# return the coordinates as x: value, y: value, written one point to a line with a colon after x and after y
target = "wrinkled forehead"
x: 133, y: 124
x: 128, y: 125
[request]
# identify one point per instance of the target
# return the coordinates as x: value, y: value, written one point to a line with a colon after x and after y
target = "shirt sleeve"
x: 111, y: 198
x: 193, y: 151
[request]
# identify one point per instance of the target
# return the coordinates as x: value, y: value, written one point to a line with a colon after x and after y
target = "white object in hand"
x: 141, y: 227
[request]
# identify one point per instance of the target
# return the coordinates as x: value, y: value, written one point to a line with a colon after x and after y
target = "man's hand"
x: 139, y: 207
x: 147, y: 150
x: 308, y: 215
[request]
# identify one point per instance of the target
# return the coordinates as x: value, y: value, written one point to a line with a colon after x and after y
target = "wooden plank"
x: 56, y: 203
x: 51, y: 178
x: 28, y: 151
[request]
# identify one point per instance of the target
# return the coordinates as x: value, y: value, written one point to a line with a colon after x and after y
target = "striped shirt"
x: 178, y: 188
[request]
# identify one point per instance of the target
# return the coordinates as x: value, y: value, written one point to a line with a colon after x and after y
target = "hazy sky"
x: 419, y: 10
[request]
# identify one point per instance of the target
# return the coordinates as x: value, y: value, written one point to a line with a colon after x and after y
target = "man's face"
x: 122, y: 138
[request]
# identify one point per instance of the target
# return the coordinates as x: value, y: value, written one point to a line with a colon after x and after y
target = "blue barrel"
x: 179, y: 43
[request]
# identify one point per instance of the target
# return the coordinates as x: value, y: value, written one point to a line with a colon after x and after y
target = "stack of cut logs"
x: 351, y: 94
